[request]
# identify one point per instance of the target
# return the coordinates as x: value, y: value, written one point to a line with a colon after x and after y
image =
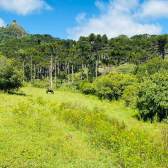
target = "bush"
x: 150, y: 68
x: 112, y: 85
x: 153, y: 96
x: 10, y: 77
x: 130, y: 95
x: 126, y: 68
x: 88, y: 88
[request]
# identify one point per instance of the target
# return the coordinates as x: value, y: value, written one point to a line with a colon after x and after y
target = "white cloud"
x: 81, y: 17
x: 101, y: 5
x: 2, y: 23
x: 24, y: 7
x: 116, y: 18
x: 153, y: 9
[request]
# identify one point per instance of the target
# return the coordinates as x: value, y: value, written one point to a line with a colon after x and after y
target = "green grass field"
x: 70, y: 129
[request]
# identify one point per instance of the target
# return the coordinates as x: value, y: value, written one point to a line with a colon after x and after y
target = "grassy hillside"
x: 69, y: 129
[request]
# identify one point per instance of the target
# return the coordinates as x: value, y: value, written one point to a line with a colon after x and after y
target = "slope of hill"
x: 69, y: 129
x: 12, y: 31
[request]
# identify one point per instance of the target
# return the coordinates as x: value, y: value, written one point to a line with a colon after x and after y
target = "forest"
x: 111, y: 98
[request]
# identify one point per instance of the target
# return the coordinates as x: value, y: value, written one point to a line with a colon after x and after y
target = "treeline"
x: 34, y: 53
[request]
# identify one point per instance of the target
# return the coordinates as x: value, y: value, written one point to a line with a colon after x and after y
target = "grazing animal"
x: 50, y: 90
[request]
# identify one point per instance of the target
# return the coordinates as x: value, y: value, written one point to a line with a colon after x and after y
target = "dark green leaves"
x: 153, y: 96
x: 10, y: 77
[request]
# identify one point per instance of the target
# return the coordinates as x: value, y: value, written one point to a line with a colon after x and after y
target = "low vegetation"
x: 48, y: 130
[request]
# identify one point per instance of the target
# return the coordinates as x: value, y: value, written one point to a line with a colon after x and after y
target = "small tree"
x: 10, y: 77
x: 112, y: 86
x: 153, y: 96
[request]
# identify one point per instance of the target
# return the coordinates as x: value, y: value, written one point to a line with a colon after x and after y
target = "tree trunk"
x: 163, y: 54
x: 87, y: 72
x: 34, y: 72
x: 31, y: 69
x: 72, y: 78
x: 82, y: 73
x: 58, y: 68
x: 23, y: 70
x: 96, y: 67
x: 45, y: 73
x: 50, y: 73
x: 65, y: 67
x: 38, y: 72
x: 41, y: 77
x: 55, y: 74
x: 37, y: 75
x: 118, y: 63
x: 68, y: 73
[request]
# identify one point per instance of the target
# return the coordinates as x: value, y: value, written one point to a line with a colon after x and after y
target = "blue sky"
x: 70, y: 19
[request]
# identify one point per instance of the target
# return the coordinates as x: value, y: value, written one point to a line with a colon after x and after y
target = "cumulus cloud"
x: 153, y: 9
x: 118, y: 17
x: 24, y: 7
x: 2, y: 23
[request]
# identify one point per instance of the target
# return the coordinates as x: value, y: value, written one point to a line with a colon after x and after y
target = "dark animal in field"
x: 50, y: 90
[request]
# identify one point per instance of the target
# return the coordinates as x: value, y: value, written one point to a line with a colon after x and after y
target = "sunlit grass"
x: 115, y: 109
x: 69, y: 129
x: 32, y: 137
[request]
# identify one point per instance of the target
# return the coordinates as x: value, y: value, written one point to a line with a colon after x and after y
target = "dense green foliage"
x: 89, y: 52
x: 87, y: 87
x: 146, y: 90
x: 12, y: 31
x: 10, y: 77
x: 108, y: 87
x: 151, y: 67
x: 126, y: 68
x: 153, y: 96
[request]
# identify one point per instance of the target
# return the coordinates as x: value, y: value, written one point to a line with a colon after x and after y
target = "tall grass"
x: 46, y: 131
x: 31, y: 136
x: 132, y: 148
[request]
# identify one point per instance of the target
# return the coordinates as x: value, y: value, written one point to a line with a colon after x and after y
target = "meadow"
x: 69, y: 129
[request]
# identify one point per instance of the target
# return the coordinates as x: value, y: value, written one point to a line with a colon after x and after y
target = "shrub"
x: 126, y: 68
x: 130, y: 95
x: 83, y: 82
x: 88, y: 88
x: 153, y: 96
x: 10, y: 77
x: 150, y: 68
x: 112, y: 85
